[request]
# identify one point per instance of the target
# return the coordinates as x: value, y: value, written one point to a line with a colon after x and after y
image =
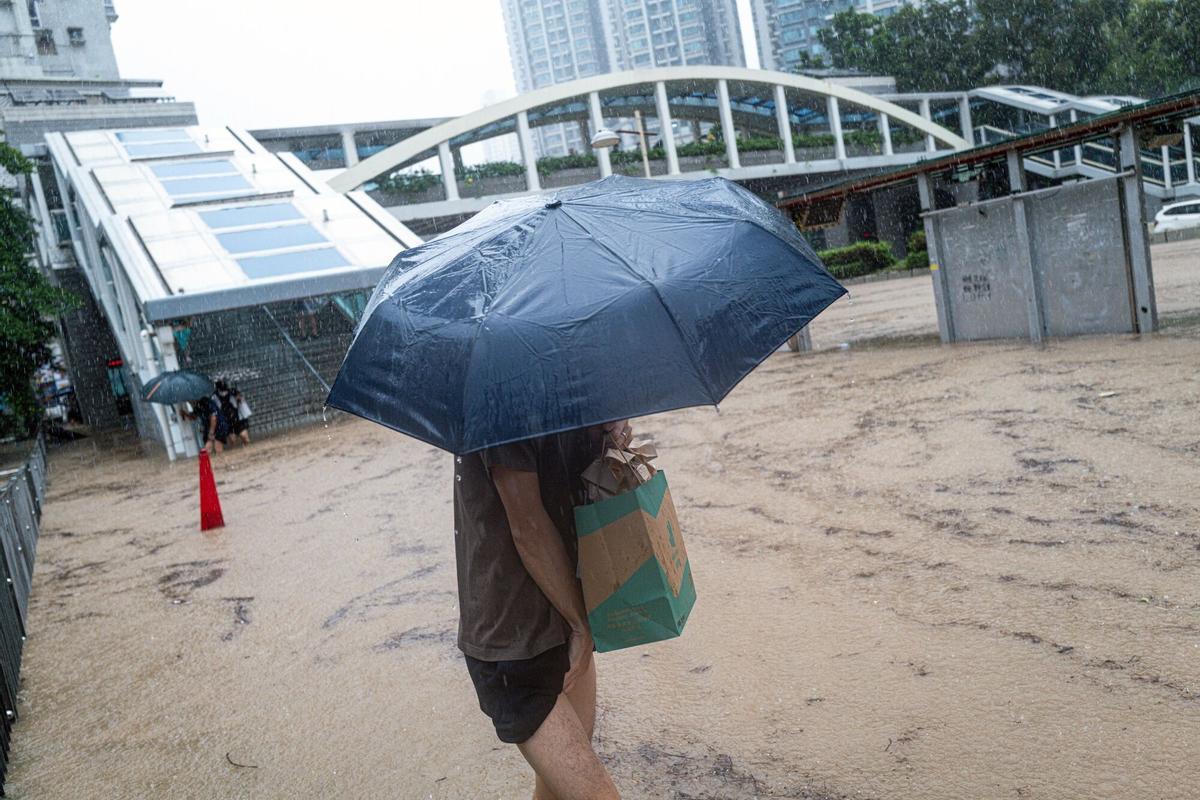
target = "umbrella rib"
x: 483, y: 319
x: 674, y: 321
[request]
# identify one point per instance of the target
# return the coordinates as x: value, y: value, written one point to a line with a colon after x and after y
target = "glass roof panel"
x: 152, y: 135
x: 273, y: 266
x: 186, y: 169
x: 250, y: 215
x: 270, y: 238
x: 162, y: 149
x: 212, y: 184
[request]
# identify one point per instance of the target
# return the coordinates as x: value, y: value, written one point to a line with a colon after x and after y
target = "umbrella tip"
x: 554, y: 204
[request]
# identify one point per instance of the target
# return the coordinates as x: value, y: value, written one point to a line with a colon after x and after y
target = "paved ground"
x: 924, y: 572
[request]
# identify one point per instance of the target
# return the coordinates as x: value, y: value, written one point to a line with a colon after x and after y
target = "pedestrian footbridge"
x: 742, y: 124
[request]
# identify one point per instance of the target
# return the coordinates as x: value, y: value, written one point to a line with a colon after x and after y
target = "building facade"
x: 787, y: 30
x: 554, y: 41
x: 198, y: 248
x: 57, y: 39
x: 669, y: 33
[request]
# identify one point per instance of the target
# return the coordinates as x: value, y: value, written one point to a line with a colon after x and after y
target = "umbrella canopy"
x: 178, y: 386
x: 614, y: 299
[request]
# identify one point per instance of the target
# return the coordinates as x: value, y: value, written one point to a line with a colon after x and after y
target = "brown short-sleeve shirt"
x: 503, y: 615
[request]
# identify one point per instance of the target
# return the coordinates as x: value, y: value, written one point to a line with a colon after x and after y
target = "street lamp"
x: 606, y: 138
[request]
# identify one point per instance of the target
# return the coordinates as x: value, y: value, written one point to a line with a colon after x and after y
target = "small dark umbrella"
x: 614, y: 299
x: 178, y: 386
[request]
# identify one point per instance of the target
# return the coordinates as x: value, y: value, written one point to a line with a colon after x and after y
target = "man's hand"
x: 579, y: 649
x: 620, y: 432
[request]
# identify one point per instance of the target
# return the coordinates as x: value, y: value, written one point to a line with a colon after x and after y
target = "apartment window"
x: 34, y: 18
x: 45, y: 43
x: 75, y: 37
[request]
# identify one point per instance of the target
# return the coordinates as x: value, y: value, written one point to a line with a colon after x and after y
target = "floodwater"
x: 923, y: 572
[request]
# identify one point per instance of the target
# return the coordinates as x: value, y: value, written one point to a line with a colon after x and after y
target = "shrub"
x: 549, y: 164
x: 916, y: 241
x: 918, y: 256
x: 413, y: 182
x: 489, y: 169
x: 861, y: 258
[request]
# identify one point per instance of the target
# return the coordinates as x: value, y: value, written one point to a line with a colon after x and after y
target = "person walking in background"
x: 231, y: 404
x: 211, y: 426
x: 523, y: 627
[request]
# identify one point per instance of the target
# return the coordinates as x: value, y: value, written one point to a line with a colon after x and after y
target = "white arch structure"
x: 513, y: 115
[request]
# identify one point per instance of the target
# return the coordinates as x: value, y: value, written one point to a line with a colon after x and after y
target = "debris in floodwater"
x: 236, y: 764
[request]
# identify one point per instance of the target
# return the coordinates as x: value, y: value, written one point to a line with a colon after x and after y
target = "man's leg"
x: 561, y: 754
x: 582, y: 697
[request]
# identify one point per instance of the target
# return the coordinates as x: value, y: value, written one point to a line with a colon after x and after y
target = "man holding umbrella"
x: 522, y: 624
x: 513, y: 341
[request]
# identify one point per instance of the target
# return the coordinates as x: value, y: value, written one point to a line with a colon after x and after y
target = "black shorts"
x: 240, y: 425
x: 519, y: 695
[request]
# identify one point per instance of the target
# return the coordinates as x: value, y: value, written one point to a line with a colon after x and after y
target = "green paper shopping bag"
x: 637, y: 583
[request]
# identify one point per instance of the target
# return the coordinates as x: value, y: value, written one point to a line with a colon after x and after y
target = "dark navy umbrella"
x: 614, y: 299
x: 177, y: 386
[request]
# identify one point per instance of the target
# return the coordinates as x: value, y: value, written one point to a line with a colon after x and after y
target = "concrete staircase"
x: 247, y: 348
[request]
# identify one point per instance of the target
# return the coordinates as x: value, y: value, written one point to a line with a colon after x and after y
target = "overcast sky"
x: 265, y: 63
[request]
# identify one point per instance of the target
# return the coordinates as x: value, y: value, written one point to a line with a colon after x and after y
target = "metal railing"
x: 22, y: 492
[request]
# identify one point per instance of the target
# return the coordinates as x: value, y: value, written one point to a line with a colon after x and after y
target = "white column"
x: 1166, y: 159
x: 835, y: 126
x: 727, y: 128
x: 532, y: 183
x: 182, y: 439
x: 964, y: 119
x: 597, y: 120
x: 1078, y: 149
x: 1187, y: 152
x: 930, y: 145
x: 885, y: 130
x: 666, y: 130
x: 349, y: 147
x: 1057, y: 154
x: 449, y: 179
x: 783, y: 120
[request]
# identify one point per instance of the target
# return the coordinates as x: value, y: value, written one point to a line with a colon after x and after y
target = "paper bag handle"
x: 624, y: 457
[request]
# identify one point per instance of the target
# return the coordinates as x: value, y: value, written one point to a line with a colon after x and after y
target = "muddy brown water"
x: 923, y: 572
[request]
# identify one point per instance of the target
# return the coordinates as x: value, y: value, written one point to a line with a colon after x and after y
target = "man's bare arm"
x: 541, y: 548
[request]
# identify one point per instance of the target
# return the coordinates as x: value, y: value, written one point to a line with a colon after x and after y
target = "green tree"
x: 1139, y: 47
x: 1059, y: 44
x: 931, y: 48
x: 28, y: 304
x: 1156, y: 48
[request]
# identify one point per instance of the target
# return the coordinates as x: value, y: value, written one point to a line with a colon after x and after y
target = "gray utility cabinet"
x: 1052, y: 262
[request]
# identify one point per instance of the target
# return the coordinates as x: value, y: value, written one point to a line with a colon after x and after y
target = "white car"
x: 1178, y: 216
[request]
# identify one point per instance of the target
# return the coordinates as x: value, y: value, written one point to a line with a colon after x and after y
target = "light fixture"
x: 605, y: 138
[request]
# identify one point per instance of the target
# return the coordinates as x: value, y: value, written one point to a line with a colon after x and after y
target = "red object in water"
x: 210, y: 504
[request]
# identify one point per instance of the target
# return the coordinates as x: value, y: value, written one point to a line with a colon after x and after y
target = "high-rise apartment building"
x: 58, y: 39
x: 553, y: 41
x: 666, y: 33
x: 786, y: 30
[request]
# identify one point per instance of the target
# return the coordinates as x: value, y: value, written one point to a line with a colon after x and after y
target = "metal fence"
x: 22, y: 491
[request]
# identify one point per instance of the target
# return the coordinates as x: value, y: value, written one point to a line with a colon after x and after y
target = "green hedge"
x: 419, y: 181
x: 550, y: 164
x: 861, y: 258
x: 918, y: 256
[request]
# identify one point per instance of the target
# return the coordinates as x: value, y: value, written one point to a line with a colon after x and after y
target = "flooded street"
x: 923, y: 572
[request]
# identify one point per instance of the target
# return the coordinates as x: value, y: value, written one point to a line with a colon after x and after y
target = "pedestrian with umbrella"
x: 519, y: 341
x: 188, y: 392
